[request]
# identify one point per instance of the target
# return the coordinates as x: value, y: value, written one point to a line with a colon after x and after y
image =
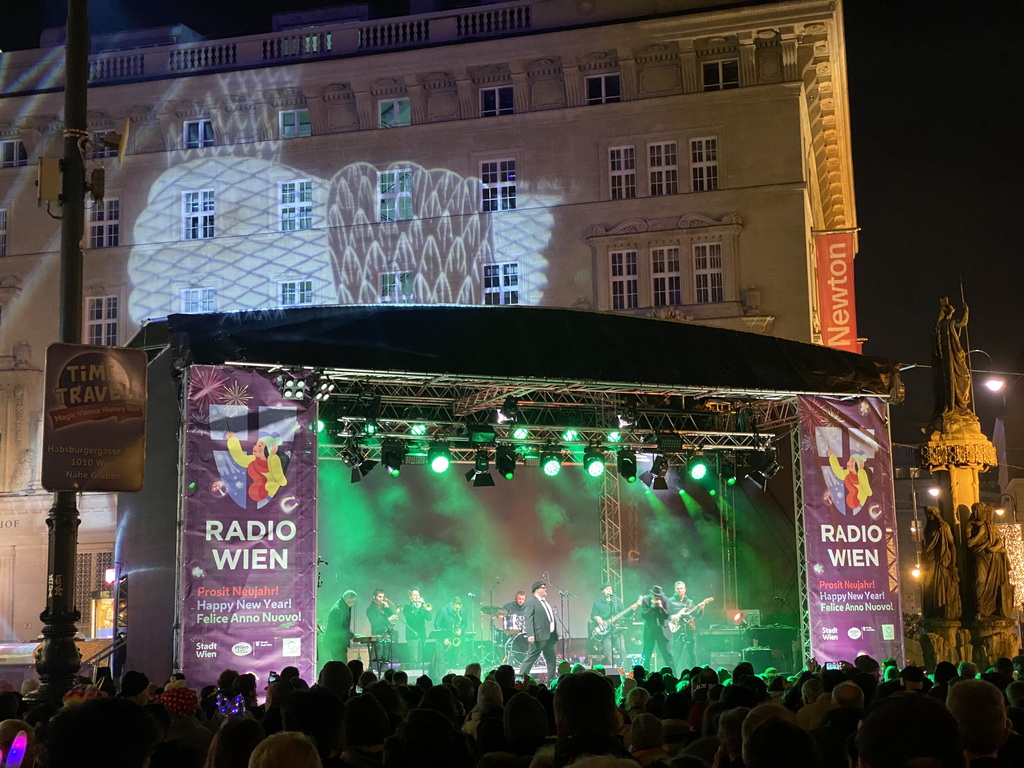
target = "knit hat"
x: 525, y: 718
x: 133, y: 683
x: 178, y: 701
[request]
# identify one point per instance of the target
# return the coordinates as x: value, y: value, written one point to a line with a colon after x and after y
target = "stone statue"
x: 992, y: 569
x: 951, y: 374
x: 941, y: 577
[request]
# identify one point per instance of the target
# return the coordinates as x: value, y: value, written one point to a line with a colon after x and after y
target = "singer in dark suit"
x: 541, y: 631
x: 654, y: 609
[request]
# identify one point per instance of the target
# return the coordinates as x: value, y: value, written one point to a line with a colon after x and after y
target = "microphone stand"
x: 566, y: 625
x: 488, y: 635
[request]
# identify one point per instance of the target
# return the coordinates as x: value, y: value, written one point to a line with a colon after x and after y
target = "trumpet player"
x: 449, y: 629
x: 416, y: 614
x: 382, y: 614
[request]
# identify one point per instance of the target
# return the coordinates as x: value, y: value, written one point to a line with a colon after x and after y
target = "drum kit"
x: 510, y: 639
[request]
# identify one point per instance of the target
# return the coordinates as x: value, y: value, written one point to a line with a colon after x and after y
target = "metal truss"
x: 730, y: 580
x: 801, y: 545
x: 611, y: 533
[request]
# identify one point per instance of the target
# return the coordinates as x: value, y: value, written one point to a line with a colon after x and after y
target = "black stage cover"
x: 522, y: 344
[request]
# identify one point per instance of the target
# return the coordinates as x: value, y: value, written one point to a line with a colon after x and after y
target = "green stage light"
x: 520, y: 433
x: 418, y: 429
x: 614, y: 437
x: 320, y: 426
x: 712, y: 492
x: 370, y: 427
x: 731, y: 481
x: 392, y: 454
x: 627, y: 465
x: 698, y: 469
x: 551, y: 464
x: 593, y: 462
x: 570, y: 435
x: 505, y: 461
x: 439, y: 458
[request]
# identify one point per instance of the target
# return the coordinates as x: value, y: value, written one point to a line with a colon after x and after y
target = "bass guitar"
x: 675, y: 621
x: 603, y: 629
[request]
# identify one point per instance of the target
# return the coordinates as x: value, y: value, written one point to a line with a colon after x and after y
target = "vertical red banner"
x: 837, y: 305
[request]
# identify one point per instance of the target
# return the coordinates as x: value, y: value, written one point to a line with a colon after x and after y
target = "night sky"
x: 937, y: 161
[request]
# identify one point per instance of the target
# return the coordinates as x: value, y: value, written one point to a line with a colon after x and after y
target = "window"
x: 294, y: 123
x: 105, y: 224
x: 624, y: 280
x: 396, y: 287
x: 707, y: 273
x: 197, y: 214
x: 498, y: 185
x: 603, y: 89
x: 100, y: 150
x: 3, y: 232
x: 501, y: 283
x: 665, y: 277
x: 295, y: 205
x: 101, y: 320
x: 395, y: 195
x: 198, y: 300
x: 664, y: 168
x: 704, y: 164
x: 622, y: 172
x: 721, y: 75
x: 12, y: 154
x: 291, y: 293
x: 199, y: 133
x: 496, y: 101
x: 394, y: 113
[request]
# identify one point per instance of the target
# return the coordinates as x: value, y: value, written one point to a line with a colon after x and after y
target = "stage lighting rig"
x: 439, y: 457
x: 655, y: 478
x: 509, y: 411
x: 593, y: 460
x: 551, y: 461
x: 392, y: 455
x: 505, y: 461
x: 627, y: 465
x: 354, y: 458
x: 480, y: 474
x: 290, y: 387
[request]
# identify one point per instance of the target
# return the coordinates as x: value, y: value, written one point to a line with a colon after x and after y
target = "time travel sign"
x: 94, y: 426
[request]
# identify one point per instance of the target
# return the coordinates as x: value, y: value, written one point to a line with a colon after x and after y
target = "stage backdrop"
x: 249, y: 535
x: 850, y: 527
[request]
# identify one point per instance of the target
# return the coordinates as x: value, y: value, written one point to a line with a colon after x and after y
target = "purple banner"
x: 249, y: 538
x: 850, y: 529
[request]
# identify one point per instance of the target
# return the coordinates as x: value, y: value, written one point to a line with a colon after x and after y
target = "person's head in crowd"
x: 9, y: 730
x: 135, y: 687
x: 909, y: 731
x: 473, y: 670
x: 226, y: 680
x: 365, y: 722
x: 584, y: 704
x: 912, y: 678
x: 639, y: 673
x: 161, y: 718
x: 366, y: 679
x: 865, y: 663
x: 180, y: 702
x: 287, y: 749
x: 563, y: 668
x: 944, y: 672
x: 401, y: 678
x: 424, y: 682
x: 980, y: 712
x: 655, y: 683
x: 848, y: 695
x: 764, y: 712
x: 233, y: 743
x: 441, y: 699
x: 709, y: 720
x: 867, y: 683
x: 636, y: 700
x: 29, y: 685
x: 730, y: 733
x: 488, y: 695
x: 743, y: 668
x: 1015, y: 693
x: 811, y: 691
x: 1004, y: 666
x: 288, y: 673
x: 525, y: 723
x: 317, y: 713
x: 776, y: 743
x: 336, y: 677
x: 677, y: 706
x: 967, y: 670
x: 724, y: 675
x: 505, y: 676
x: 389, y: 700
x: 890, y: 673
x: 741, y: 696
x: 245, y: 686
x: 646, y: 732
x: 1018, y: 666
x: 71, y: 735
x: 356, y: 668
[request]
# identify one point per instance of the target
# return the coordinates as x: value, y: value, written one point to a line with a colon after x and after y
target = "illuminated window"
x: 197, y: 214
x: 105, y: 224
x: 496, y: 101
x: 295, y: 204
x: 625, y: 285
x: 501, y: 283
x: 394, y: 113
x: 721, y: 75
x: 293, y: 293
x: 603, y: 89
x: 707, y: 273
x: 704, y: 164
x: 198, y: 300
x: 395, y: 195
x: 498, y: 185
x: 199, y: 133
x: 12, y: 154
x: 101, y: 316
x: 294, y: 123
x: 396, y: 287
x: 664, y: 168
x: 622, y: 172
x: 3, y: 232
x: 666, y: 282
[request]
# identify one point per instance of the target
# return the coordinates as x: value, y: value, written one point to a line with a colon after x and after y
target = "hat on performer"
x: 657, y: 591
x: 537, y: 585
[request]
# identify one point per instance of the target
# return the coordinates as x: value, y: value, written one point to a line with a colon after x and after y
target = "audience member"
x: 776, y: 743
x: 72, y: 738
x: 909, y: 731
x: 980, y: 712
x: 286, y: 749
x: 233, y: 743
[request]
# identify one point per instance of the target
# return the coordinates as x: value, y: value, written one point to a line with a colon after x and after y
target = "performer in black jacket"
x: 541, y: 631
x: 338, y: 630
x: 655, y: 613
x: 416, y: 615
x: 605, y: 607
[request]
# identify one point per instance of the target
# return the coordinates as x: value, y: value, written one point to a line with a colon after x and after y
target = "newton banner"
x: 249, y: 537
x: 850, y: 529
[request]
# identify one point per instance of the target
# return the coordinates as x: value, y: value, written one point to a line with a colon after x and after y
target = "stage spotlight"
x: 324, y: 389
x: 291, y: 389
x: 353, y: 457
x: 697, y: 468
x: 480, y: 434
x: 392, y: 454
x: 418, y: 430
x: 763, y: 467
x: 627, y: 465
x: 370, y: 406
x: 439, y: 458
x: 593, y: 461
x: 509, y: 411
x: 727, y: 469
x: 614, y: 437
x: 570, y: 435
x: 655, y: 478
x: 479, y: 474
x: 505, y: 461
x: 551, y: 462
x: 520, y: 433
x: 627, y: 418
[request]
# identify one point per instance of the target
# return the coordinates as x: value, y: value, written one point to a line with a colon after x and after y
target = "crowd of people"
x: 862, y: 715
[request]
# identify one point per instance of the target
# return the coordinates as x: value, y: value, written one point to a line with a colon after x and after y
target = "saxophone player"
x: 416, y: 614
x: 449, y: 627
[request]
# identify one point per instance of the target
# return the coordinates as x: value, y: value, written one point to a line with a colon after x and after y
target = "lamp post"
x: 1007, y: 502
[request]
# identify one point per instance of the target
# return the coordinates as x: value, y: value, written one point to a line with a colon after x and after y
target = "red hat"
x: 180, y: 701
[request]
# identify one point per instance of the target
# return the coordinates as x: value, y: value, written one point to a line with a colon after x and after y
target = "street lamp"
x: 1007, y: 501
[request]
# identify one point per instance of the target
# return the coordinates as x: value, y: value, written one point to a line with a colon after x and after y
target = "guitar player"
x: 684, y: 638
x: 605, y: 613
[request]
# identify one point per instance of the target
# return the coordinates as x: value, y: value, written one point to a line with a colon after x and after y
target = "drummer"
x: 513, y: 612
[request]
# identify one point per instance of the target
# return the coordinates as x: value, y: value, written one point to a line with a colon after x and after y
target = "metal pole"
x: 59, y: 658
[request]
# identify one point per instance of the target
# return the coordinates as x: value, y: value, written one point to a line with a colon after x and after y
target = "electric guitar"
x: 675, y: 621
x: 603, y: 629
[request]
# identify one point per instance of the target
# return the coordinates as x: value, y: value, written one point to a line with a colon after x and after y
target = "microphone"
x: 563, y: 593
x: 471, y: 594
x: 497, y: 581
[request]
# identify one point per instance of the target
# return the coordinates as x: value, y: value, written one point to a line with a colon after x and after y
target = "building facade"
x: 667, y: 158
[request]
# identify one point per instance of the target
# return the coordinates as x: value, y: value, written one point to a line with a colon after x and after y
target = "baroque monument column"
x: 968, y: 615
